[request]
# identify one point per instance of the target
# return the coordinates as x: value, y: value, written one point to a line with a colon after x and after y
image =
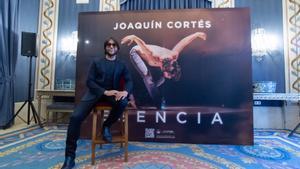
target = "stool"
x: 97, y: 135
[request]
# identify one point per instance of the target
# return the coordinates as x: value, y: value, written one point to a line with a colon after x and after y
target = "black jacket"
x: 96, y: 78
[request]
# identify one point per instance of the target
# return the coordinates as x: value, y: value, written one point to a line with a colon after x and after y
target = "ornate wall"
x: 291, y: 27
x: 292, y: 45
x: 48, y: 30
x: 111, y: 5
x: 223, y: 3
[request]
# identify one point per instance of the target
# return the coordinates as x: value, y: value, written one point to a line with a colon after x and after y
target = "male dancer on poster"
x: 160, y: 57
x: 103, y: 84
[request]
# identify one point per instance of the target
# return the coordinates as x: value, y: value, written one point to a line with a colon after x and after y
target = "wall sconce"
x: 69, y: 44
x: 263, y: 44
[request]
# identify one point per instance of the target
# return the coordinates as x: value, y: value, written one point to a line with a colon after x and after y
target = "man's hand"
x: 120, y: 95
x: 110, y: 92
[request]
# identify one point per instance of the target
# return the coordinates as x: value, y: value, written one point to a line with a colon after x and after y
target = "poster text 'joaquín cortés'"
x: 201, y: 24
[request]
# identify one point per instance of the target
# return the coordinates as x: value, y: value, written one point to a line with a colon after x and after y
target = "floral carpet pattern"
x: 43, y: 148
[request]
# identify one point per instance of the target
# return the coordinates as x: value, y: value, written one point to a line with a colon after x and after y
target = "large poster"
x: 191, y: 71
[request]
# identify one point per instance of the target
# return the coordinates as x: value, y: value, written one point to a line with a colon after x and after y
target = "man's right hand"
x: 110, y: 92
x: 119, y: 95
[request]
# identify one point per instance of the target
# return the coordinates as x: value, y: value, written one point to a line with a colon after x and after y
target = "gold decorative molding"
x: 46, y: 45
x: 109, y: 5
x: 292, y: 34
x: 223, y: 3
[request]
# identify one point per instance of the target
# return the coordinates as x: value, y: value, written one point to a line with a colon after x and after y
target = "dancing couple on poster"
x: 143, y: 55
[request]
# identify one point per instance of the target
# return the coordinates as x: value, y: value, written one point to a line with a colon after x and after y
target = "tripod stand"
x: 298, y: 125
x: 29, y: 102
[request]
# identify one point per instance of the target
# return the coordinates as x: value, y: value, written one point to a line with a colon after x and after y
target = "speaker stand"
x: 30, y: 105
x: 292, y: 132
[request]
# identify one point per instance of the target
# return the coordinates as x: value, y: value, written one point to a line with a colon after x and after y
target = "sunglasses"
x: 111, y: 44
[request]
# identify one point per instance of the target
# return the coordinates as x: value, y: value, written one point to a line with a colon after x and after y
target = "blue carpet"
x: 37, y: 148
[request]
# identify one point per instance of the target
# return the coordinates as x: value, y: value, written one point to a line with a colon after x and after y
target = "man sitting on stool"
x: 103, y: 84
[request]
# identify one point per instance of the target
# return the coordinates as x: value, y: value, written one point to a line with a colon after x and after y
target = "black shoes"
x: 106, y: 134
x: 69, y: 163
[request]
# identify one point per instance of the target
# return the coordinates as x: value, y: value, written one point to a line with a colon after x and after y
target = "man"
x: 160, y: 57
x: 103, y: 84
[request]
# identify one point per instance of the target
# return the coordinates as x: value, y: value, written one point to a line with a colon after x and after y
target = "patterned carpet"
x: 37, y: 148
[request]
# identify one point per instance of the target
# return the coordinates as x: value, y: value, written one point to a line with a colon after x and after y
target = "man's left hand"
x: 120, y: 95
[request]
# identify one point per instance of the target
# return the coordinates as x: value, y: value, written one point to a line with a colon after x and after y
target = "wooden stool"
x: 97, y: 135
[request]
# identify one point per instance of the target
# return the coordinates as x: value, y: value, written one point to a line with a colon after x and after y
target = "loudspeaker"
x: 28, y: 44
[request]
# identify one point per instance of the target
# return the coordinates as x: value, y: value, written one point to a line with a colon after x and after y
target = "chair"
x: 122, y: 137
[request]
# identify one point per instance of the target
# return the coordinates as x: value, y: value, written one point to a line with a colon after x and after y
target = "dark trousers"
x: 80, y: 113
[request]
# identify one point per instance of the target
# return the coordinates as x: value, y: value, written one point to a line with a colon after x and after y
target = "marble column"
x: 45, y: 69
x: 222, y: 3
x: 292, y: 44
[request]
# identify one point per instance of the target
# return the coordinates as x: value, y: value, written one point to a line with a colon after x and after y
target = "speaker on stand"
x: 28, y: 48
